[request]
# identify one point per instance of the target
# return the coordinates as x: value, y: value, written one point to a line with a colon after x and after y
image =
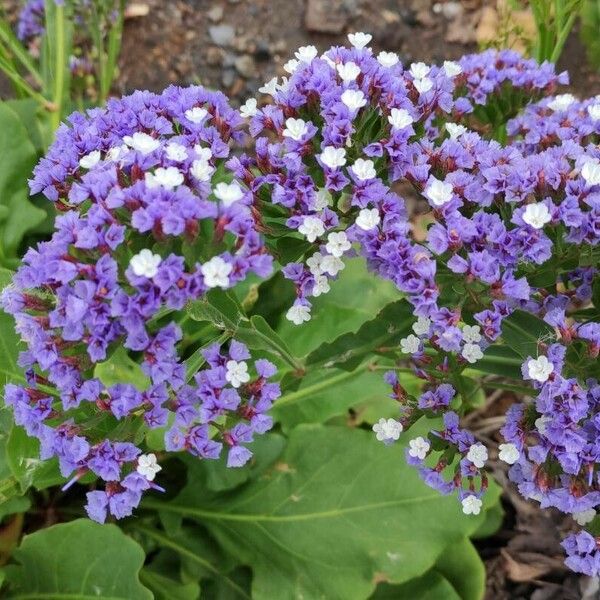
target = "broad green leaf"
x: 17, y: 159
x: 80, y: 560
x: 354, y: 298
x: 340, y: 509
x: 493, y: 521
x: 461, y: 566
x: 17, y: 504
x: 349, y: 350
x: 10, y: 344
x: 328, y: 393
x: 219, y: 308
x: 523, y: 332
x: 121, y: 368
x: 24, y: 462
x: 165, y: 588
x: 431, y: 586
x: 500, y: 360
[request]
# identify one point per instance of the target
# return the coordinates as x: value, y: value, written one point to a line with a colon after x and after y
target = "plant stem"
x: 60, y: 65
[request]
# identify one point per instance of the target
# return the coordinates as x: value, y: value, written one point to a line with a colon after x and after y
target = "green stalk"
x: 60, y: 65
x: 8, y: 38
x: 112, y: 52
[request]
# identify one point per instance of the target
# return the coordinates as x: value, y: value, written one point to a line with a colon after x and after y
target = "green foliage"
x: 590, y: 26
x: 17, y: 159
x: 336, y: 516
x: 79, y: 560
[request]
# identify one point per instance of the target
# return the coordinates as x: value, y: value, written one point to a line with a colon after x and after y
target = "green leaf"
x: 121, y: 368
x: 81, y: 560
x: 459, y: 574
x: 219, y: 308
x: 349, y: 350
x: 165, y: 588
x: 431, y: 586
x: 461, y: 566
x: 329, y: 393
x: 339, y: 508
x: 25, y: 464
x: 523, y: 332
x: 500, y: 360
x: 17, y: 159
x: 353, y: 300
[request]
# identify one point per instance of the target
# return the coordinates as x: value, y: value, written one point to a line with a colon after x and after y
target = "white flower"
x: 410, y: 344
x: 306, y: 54
x: 331, y: 265
x: 216, y: 272
x: 419, y: 447
x: 421, y: 327
x: 196, y: 114
x: 314, y: 263
x: 328, y: 60
x: 298, y: 314
x: 202, y: 170
x: 455, y: 130
x: 438, y: 192
x: 249, y: 108
x: 141, y: 142
x: 536, y: 215
x: 237, y: 373
x: 561, y: 102
x: 228, y: 193
x: 203, y: 153
x: 387, y: 430
x: 594, y: 111
x: 540, y: 368
x: 145, y: 263
x: 147, y: 466
x: 321, y: 286
x: 270, y: 87
x: 323, y: 198
x: 591, y: 172
x: 295, y: 128
x: 364, y: 169
x: 419, y: 70
x: 400, y: 118
x: 584, y: 517
x: 509, y: 453
x: 291, y: 65
x: 333, y: 157
x: 176, y: 152
x: 312, y: 228
x: 471, y: 505
x: 353, y: 99
x: 541, y: 422
x: 169, y: 178
x: 337, y: 244
x: 451, y: 68
x: 471, y: 334
x: 472, y: 353
x: 115, y: 154
x: 348, y: 72
x: 359, y: 39
x: 90, y: 160
x: 477, y: 454
x: 423, y: 85
x: 388, y: 59
x: 368, y: 218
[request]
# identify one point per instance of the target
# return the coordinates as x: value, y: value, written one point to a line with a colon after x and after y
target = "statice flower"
x: 30, y: 24
x: 144, y: 229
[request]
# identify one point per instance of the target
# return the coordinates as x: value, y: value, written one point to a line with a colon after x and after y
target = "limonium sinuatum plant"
x: 157, y: 212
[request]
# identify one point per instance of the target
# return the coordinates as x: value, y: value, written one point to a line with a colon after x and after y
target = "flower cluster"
x: 30, y: 24
x: 148, y: 223
x: 157, y: 212
x: 344, y: 128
